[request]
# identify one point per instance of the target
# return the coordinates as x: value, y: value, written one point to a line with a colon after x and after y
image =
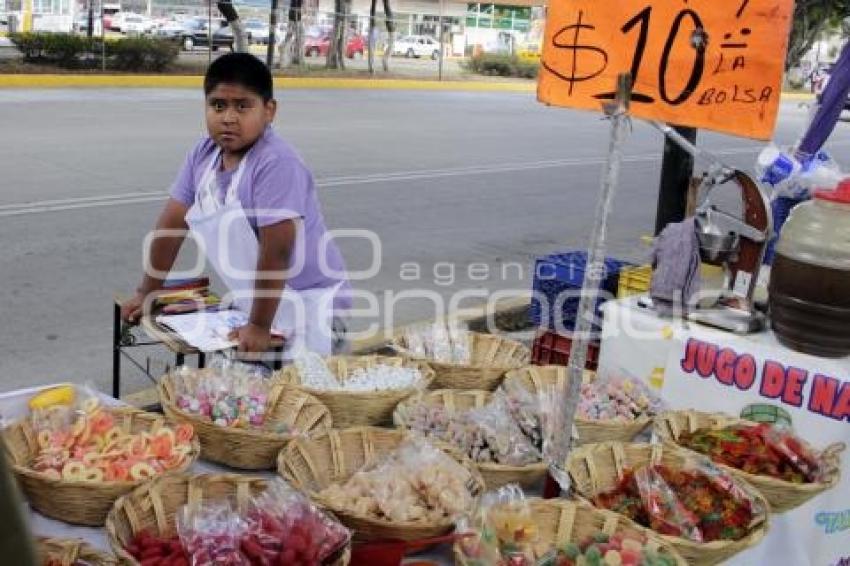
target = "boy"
x: 246, y: 195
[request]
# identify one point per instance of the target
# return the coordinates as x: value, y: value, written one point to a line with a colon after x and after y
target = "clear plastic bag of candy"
x: 230, y: 396
x: 284, y: 527
x: 446, y: 342
x: 667, y: 514
x: 501, y: 530
x: 211, y: 533
x: 617, y: 397
x: 504, y: 439
x: 415, y: 482
x: 524, y: 408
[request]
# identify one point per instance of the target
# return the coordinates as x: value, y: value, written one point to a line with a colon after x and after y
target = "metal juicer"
x: 737, y: 244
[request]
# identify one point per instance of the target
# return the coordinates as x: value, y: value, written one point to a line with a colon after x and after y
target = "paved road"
x: 440, y: 177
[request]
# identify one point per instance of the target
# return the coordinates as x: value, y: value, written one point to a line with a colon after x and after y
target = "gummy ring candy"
x: 101, y: 422
x: 92, y: 474
x: 162, y: 446
x: 73, y: 471
x: 185, y: 432
x: 89, y: 458
x: 142, y: 471
x: 182, y: 450
x: 90, y: 405
x: 117, y: 471
x: 79, y: 426
x: 112, y: 435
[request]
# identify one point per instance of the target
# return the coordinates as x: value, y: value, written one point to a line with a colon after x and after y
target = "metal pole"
x: 209, y: 33
x: 102, y: 40
x: 566, y: 398
x: 677, y: 169
x: 272, y: 33
x: 440, y: 35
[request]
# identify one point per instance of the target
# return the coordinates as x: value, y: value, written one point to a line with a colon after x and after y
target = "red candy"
x: 154, y: 551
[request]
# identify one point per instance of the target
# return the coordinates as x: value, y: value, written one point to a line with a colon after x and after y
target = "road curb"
x: 195, y: 81
x: 47, y: 81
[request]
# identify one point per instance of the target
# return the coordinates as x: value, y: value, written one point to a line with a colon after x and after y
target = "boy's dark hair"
x: 241, y: 69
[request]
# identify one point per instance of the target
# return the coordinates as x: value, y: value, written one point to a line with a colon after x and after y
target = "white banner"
x: 713, y: 371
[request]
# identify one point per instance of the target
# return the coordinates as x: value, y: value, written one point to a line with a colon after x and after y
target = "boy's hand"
x: 131, y: 309
x: 252, y: 338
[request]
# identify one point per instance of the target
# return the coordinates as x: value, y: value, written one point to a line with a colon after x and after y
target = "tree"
x: 292, y: 48
x: 811, y: 19
x: 373, y: 35
x: 336, y: 51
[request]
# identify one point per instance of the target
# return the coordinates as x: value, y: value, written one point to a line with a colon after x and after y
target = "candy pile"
x: 90, y: 445
x: 700, y: 503
x: 446, y: 343
x: 150, y: 550
x: 486, y: 434
x: 315, y: 374
x: 617, y: 398
x: 604, y: 550
x: 279, y: 526
x: 503, y: 532
x: 416, y: 483
x: 227, y: 398
x: 761, y: 449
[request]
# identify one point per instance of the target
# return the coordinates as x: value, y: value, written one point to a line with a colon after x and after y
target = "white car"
x: 417, y: 46
x: 257, y: 31
x: 135, y: 23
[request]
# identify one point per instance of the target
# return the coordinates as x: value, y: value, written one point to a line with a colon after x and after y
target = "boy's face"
x: 237, y: 116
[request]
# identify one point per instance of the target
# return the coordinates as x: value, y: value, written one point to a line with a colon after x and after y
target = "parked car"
x: 135, y: 24
x: 171, y: 29
x: 315, y: 46
x: 257, y: 31
x: 196, y: 34
x: 417, y: 46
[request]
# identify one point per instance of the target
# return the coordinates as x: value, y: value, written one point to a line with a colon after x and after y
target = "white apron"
x: 224, y: 234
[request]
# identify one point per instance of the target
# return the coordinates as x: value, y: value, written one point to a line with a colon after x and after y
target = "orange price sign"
x: 714, y: 64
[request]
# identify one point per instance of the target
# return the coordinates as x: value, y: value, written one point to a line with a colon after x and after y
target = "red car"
x: 319, y: 46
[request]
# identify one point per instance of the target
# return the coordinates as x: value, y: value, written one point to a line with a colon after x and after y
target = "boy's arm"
x: 276, y: 245
x: 161, y: 256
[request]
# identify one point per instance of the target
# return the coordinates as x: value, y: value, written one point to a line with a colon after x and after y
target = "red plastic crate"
x: 550, y: 348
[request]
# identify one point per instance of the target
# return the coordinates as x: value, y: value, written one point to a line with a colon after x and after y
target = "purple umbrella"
x: 831, y: 104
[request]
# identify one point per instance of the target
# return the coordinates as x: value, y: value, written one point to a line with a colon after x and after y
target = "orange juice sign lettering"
x: 796, y: 387
x: 702, y: 63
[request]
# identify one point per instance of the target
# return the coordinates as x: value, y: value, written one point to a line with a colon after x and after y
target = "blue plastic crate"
x: 558, y: 278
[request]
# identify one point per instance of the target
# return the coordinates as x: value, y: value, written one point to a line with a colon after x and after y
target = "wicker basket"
x: 372, y: 408
x: 67, y: 552
x: 315, y: 463
x: 596, y: 468
x: 247, y: 448
x: 560, y: 521
x: 490, y: 358
x: 153, y: 506
x: 782, y: 495
x: 77, y: 502
x: 458, y: 401
x: 537, y: 378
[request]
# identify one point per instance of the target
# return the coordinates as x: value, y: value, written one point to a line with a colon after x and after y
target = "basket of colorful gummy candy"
x: 509, y: 530
x: 242, y: 419
x: 704, y: 512
x: 73, y: 460
x: 224, y: 519
x: 783, y: 467
x: 611, y: 409
x: 358, y: 390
